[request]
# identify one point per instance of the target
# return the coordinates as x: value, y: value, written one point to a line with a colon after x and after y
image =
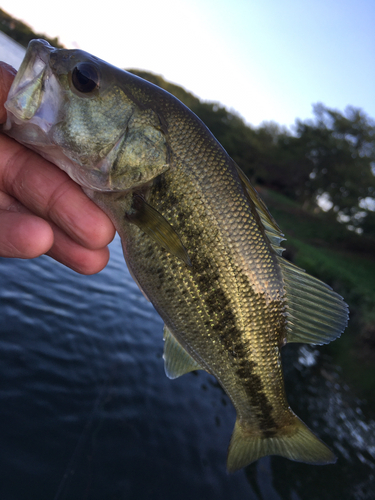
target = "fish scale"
x: 206, y: 281
x: 197, y: 238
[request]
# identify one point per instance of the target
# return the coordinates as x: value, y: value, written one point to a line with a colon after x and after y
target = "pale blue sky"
x: 268, y: 60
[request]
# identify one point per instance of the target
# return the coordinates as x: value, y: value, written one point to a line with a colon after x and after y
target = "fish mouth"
x: 34, y: 94
x: 34, y: 63
x: 34, y: 107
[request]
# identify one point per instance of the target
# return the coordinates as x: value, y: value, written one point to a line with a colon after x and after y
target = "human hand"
x: 42, y: 211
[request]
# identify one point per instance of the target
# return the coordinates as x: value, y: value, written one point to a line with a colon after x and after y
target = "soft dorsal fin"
x: 177, y: 361
x: 157, y: 227
x: 272, y: 230
x: 315, y: 313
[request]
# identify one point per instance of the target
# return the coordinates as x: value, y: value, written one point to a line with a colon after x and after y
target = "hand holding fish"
x: 42, y: 210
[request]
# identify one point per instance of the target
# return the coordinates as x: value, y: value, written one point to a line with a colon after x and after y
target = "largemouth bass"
x: 197, y: 238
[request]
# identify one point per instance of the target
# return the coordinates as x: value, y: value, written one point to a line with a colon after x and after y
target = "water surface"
x: 88, y: 413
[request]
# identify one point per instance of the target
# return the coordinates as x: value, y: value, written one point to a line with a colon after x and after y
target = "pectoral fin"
x: 177, y: 361
x: 158, y: 228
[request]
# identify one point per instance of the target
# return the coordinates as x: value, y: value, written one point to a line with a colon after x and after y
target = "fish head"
x: 80, y: 113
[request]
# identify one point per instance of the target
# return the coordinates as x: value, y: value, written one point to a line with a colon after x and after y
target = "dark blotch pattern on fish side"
x: 162, y: 192
x: 223, y: 323
x: 217, y: 305
x: 160, y: 273
x: 259, y: 401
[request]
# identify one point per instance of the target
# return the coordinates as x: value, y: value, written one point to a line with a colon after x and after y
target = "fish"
x: 196, y: 236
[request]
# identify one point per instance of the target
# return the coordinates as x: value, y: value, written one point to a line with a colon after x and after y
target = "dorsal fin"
x: 272, y: 230
x: 177, y: 361
x: 315, y: 313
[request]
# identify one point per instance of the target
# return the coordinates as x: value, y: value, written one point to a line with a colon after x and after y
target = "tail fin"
x: 298, y: 444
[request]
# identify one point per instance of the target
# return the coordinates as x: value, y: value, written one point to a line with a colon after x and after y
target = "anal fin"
x: 177, y: 361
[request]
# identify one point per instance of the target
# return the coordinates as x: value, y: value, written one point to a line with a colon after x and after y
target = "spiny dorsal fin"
x: 158, y: 228
x: 315, y: 313
x: 177, y: 361
x: 271, y: 228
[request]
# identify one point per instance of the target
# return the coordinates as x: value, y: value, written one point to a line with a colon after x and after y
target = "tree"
x: 341, y: 150
x: 330, y: 158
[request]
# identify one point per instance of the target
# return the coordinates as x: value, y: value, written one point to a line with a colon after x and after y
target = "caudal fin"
x: 297, y: 443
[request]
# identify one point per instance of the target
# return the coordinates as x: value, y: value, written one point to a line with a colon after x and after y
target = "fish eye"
x: 85, y: 77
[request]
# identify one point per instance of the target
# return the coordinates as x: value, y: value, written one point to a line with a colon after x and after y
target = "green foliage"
x: 281, y: 161
x: 20, y: 32
x: 341, y: 149
x: 333, y: 155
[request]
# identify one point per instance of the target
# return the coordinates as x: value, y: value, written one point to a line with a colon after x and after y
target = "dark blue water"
x: 86, y: 411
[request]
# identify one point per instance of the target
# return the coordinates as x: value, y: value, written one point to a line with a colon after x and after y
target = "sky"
x: 267, y: 60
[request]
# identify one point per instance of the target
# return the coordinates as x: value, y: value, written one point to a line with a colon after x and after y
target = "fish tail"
x: 295, y: 442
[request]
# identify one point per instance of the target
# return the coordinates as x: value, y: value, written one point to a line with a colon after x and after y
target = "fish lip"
x: 34, y: 63
x: 26, y: 98
x: 23, y: 98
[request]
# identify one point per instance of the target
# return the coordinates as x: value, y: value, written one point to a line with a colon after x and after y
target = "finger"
x: 24, y: 235
x: 50, y: 193
x: 7, y: 74
x: 80, y: 259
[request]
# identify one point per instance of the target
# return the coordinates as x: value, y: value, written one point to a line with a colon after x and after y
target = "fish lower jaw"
x: 31, y: 135
x: 34, y: 137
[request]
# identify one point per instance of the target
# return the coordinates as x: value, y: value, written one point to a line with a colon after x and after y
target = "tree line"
x: 326, y: 163
x: 21, y: 32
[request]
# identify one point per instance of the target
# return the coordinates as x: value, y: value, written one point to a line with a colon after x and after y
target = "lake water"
x: 87, y: 413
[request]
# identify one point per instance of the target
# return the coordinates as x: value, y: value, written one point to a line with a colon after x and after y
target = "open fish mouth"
x: 34, y: 63
x: 35, y: 95
x: 35, y: 106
